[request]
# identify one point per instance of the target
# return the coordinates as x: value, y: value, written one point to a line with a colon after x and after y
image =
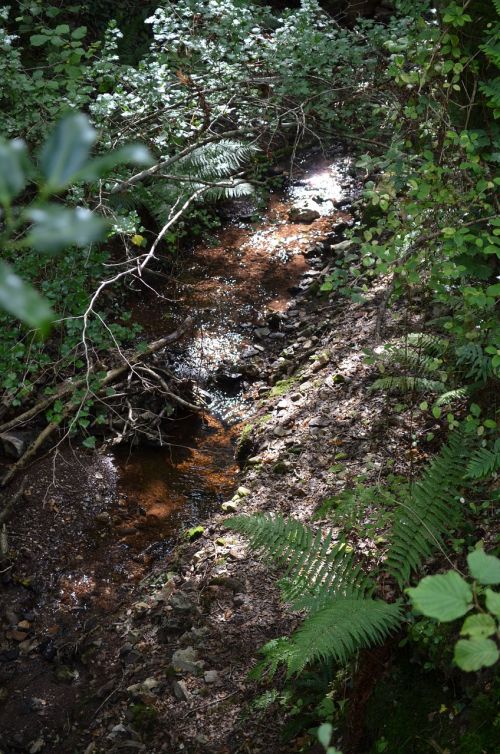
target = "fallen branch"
x: 73, y: 406
x: 9, y: 506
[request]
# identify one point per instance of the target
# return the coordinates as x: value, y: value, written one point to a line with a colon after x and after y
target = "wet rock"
x: 187, y: 660
x: 305, y: 215
x: 103, y: 518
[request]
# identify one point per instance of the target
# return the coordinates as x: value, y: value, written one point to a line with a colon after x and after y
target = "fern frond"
x: 484, y: 462
x: 431, y: 508
x: 409, y: 357
x: 429, y: 344
x: 453, y: 395
x: 408, y: 385
x: 335, y: 633
x: 315, y: 569
x: 479, y: 363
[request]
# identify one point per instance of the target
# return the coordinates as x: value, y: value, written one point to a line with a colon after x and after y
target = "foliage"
x: 449, y: 596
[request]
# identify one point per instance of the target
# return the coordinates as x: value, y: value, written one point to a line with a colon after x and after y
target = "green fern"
x: 314, y: 568
x: 431, y: 509
x: 340, y: 629
x: 472, y: 356
x: 408, y: 385
x: 484, y: 462
x: 453, y: 395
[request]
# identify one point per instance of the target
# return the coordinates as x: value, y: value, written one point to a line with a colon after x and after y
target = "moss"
x: 143, y: 717
x: 282, y: 386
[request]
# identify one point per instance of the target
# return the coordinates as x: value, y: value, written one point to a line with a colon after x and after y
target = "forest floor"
x: 111, y: 646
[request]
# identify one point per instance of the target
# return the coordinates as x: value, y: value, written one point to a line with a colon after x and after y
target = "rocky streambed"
x: 129, y: 617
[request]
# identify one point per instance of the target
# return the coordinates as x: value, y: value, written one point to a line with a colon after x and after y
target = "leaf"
x: 325, y: 734
x: 484, y: 568
x: 66, y: 151
x: 446, y: 596
x: 474, y: 654
x: 55, y: 228
x: 12, y: 177
x: 79, y: 33
x: 493, y: 601
x: 23, y: 301
x: 133, y: 154
x: 89, y: 442
x: 478, y: 626
x: 37, y: 40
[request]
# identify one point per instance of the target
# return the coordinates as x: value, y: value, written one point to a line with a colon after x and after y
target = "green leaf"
x: 12, y: 177
x: 484, y: 568
x: 474, y: 654
x: 79, y: 33
x: 133, y: 154
x: 89, y: 442
x: 37, y: 40
x: 55, y: 228
x: 325, y: 734
x: 66, y: 151
x: 62, y: 29
x: 23, y: 301
x: 478, y: 626
x: 436, y: 412
x: 493, y: 601
x: 446, y: 596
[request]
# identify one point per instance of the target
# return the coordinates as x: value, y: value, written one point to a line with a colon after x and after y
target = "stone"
x: 181, y: 603
x: 211, y: 676
x: 187, y: 660
x: 13, y: 444
x: 103, y: 518
x: 230, y: 506
x: 262, y: 332
x: 243, y: 492
x: 305, y: 215
x: 339, y: 248
x: 319, y: 421
x: 180, y: 691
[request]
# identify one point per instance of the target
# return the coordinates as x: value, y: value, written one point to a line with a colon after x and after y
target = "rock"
x: 300, y: 214
x: 339, y: 248
x: 181, y: 603
x: 280, y: 432
x: 262, y: 332
x: 150, y: 683
x: 243, y: 492
x: 103, y: 518
x: 125, y: 649
x: 187, y: 660
x: 18, y: 635
x: 319, y: 421
x: 211, y: 676
x: 180, y: 691
x: 13, y: 444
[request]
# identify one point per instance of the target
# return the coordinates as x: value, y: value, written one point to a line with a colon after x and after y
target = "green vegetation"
x: 196, y: 114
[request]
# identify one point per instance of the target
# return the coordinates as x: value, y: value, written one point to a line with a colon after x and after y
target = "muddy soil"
x: 97, y: 535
